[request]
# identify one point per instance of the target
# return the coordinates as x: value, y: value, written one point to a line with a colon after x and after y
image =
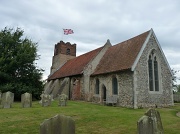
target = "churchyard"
x: 89, y: 118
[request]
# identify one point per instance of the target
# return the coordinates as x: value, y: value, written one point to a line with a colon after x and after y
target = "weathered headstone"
x: 62, y: 99
x: 45, y: 99
x: 7, y: 99
x: 26, y: 100
x: 58, y: 124
x: 178, y: 114
x: 150, y: 123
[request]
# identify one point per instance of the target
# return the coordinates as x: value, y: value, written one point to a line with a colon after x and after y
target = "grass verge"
x: 89, y: 118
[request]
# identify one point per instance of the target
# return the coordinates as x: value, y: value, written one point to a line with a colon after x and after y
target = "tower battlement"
x: 62, y: 53
x: 65, y: 48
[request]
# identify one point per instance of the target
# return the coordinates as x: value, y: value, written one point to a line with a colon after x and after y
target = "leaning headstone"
x: 45, y: 100
x: 58, y: 124
x: 62, y: 100
x: 150, y: 123
x: 7, y: 99
x: 26, y: 100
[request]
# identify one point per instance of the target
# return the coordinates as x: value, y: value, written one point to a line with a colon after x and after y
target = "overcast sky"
x: 93, y: 22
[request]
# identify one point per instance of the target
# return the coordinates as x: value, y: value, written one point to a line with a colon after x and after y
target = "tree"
x: 178, y: 89
x: 174, y: 77
x: 18, y: 70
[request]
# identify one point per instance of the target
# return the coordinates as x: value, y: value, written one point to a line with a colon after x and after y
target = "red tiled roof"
x: 121, y: 56
x: 75, y: 66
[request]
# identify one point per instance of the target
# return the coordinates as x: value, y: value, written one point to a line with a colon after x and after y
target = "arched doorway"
x: 103, y: 95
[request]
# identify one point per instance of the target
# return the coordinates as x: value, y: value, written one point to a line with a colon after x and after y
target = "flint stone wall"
x: 125, y: 89
x: 144, y: 97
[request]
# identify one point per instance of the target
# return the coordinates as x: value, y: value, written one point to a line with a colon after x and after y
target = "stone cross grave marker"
x: 58, y: 124
x: 62, y: 100
x: 46, y: 99
x: 150, y: 123
x: 26, y: 100
x: 7, y: 99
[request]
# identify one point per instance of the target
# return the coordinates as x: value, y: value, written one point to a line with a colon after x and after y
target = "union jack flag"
x: 68, y: 31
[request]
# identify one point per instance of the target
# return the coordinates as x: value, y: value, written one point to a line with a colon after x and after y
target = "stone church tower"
x: 62, y: 53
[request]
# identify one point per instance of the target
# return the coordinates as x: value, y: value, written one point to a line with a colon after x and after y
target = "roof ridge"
x: 132, y: 38
x: 75, y: 65
x: 123, y: 54
x: 87, y: 53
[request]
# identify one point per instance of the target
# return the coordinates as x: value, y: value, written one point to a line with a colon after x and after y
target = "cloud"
x: 93, y: 23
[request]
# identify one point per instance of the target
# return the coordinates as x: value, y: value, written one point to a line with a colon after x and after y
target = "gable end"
x: 143, y: 47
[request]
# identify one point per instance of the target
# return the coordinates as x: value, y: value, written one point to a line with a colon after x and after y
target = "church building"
x: 135, y: 72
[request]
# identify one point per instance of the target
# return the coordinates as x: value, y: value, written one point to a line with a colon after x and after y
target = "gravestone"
x: 58, y: 124
x: 62, y: 100
x: 26, y: 100
x: 7, y: 99
x: 45, y: 99
x: 150, y: 123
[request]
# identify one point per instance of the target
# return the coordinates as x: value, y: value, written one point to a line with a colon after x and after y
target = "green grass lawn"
x: 89, y: 118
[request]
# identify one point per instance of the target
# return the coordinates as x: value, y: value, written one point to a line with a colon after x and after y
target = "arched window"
x: 150, y: 73
x: 68, y: 51
x: 114, y: 86
x: 153, y: 72
x: 156, y: 77
x: 97, y: 86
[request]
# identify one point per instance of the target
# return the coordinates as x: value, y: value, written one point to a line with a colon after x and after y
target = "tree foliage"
x: 18, y: 70
x: 174, y: 77
x: 176, y: 87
